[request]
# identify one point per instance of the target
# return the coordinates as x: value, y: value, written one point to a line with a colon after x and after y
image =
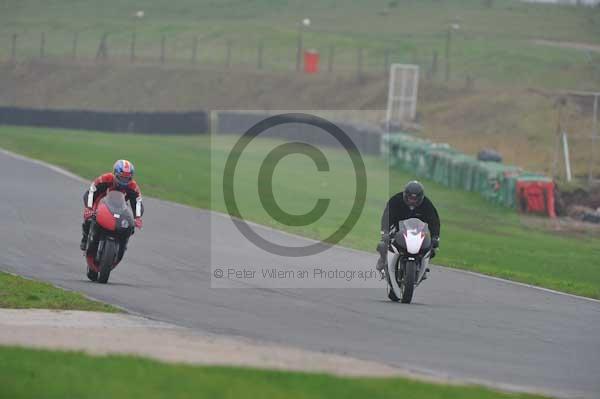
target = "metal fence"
x: 268, y: 54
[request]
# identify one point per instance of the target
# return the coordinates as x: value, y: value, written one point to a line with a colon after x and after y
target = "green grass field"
x: 476, y: 235
x: 26, y: 373
x: 492, y: 44
x: 20, y: 293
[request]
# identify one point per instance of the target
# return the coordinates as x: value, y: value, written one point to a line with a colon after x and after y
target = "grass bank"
x: 493, y: 44
x: 476, y: 235
x: 20, y: 293
x: 26, y: 373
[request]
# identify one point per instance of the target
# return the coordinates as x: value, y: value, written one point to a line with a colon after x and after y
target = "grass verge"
x: 20, y: 293
x: 476, y: 235
x: 27, y: 373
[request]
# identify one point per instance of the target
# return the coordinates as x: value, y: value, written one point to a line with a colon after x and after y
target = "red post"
x: 311, y: 61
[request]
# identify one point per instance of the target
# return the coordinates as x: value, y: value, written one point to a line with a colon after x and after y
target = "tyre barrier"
x: 505, y: 185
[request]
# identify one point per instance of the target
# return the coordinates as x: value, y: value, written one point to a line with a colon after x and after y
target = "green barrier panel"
x: 439, y: 162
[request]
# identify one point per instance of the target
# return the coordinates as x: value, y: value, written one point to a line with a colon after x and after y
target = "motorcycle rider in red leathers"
x: 121, y: 179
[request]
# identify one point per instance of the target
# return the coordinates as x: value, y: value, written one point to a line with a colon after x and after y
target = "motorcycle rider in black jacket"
x: 410, y: 203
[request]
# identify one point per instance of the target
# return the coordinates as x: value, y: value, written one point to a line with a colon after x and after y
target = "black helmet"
x: 413, y: 194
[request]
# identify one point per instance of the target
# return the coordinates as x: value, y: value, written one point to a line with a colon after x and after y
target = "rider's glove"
x: 383, y: 244
x: 435, y: 242
x: 87, y: 213
x: 138, y: 223
x: 386, y: 237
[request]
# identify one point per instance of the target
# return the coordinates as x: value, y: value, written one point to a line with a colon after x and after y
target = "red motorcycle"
x: 110, y: 229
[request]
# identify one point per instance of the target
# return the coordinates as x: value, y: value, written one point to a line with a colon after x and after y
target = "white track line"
x: 73, y: 176
x: 548, y: 290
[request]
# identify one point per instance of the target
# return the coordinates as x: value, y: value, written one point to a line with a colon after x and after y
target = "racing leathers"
x: 395, y: 211
x: 98, y: 189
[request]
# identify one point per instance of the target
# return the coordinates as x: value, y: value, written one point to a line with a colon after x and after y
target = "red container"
x: 536, y: 197
x: 311, y: 61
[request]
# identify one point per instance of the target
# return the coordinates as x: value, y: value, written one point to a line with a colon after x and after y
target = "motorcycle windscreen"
x: 116, y: 203
x: 415, y: 234
x: 413, y: 224
x: 117, y: 206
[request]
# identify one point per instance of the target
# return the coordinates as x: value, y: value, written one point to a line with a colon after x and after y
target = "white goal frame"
x: 402, y: 94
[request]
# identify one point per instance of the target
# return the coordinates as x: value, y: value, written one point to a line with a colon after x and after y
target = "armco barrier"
x: 366, y: 138
x: 502, y: 184
x: 135, y: 122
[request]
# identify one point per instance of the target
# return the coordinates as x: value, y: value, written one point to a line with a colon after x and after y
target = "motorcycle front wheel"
x: 92, y: 275
x: 109, y: 253
x: 407, y: 285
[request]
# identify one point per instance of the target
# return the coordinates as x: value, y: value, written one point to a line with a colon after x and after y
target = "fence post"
x: 102, y: 48
x: 132, y: 49
x: 330, y: 59
x: 43, y: 45
x: 228, y: 55
x: 469, y: 82
x: 594, y: 139
x: 415, y: 57
x: 434, y: 64
x: 447, y: 56
x: 162, y: 49
x: 260, y: 55
x: 299, y: 46
x: 386, y: 61
x: 75, y: 42
x: 13, y: 49
x: 194, y: 49
x: 359, y: 64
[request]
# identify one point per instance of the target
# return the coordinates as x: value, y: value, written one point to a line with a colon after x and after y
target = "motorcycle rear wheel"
x: 109, y: 252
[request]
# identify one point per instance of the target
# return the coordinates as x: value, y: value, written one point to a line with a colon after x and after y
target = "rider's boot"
x: 381, y: 263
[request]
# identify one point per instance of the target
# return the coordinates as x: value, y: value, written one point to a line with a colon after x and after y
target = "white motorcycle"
x: 407, y: 259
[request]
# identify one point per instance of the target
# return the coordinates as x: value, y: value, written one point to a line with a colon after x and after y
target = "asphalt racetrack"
x: 460, y: 325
